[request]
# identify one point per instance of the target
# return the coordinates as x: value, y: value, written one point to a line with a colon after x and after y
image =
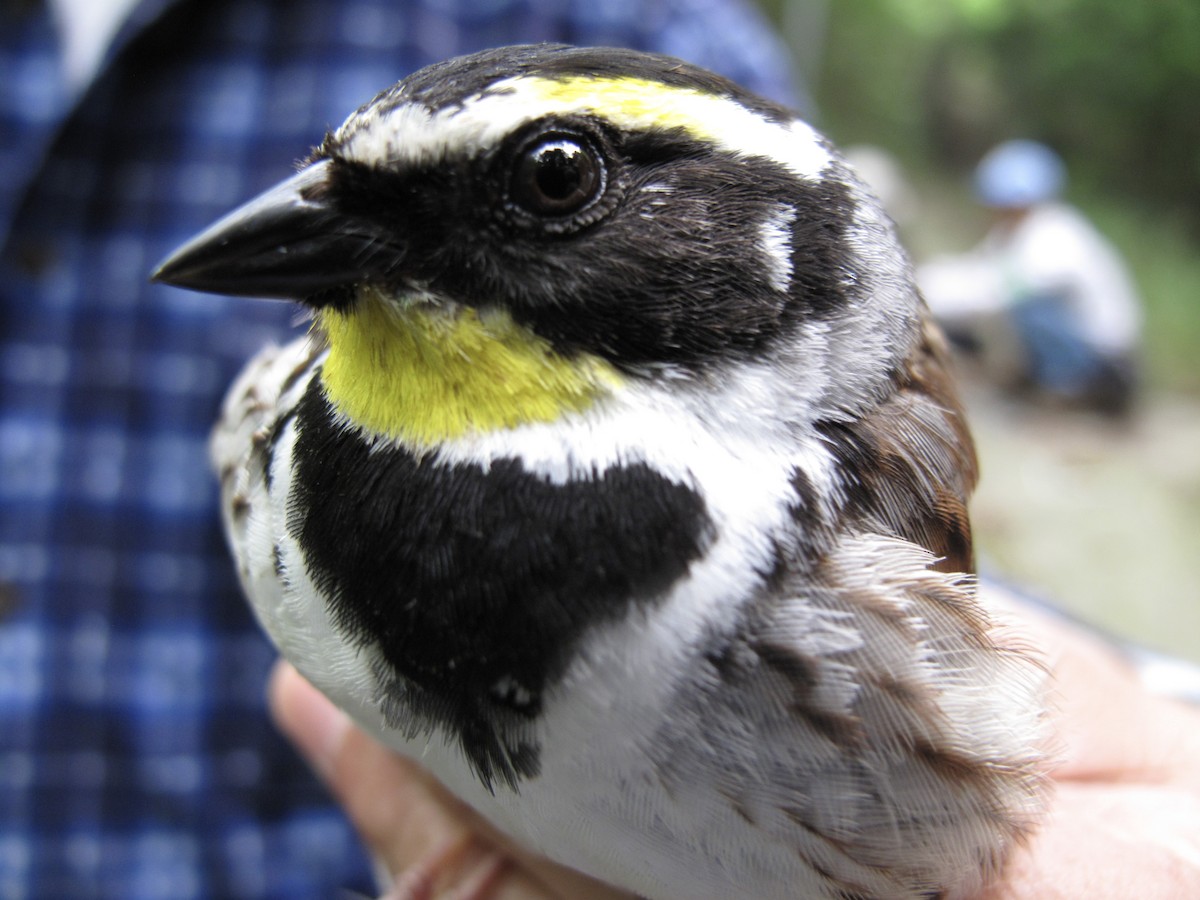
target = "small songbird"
x: 621, y: 482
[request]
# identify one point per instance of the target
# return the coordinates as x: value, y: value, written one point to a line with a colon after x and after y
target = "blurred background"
x: 1100, y: 513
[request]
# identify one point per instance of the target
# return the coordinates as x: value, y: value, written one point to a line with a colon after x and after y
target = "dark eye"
x: 557, y: 175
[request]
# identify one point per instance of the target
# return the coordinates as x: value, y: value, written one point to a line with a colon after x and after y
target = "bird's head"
x: 510, y: 236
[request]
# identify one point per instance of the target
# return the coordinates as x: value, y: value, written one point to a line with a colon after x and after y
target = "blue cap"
x: 1019, y: 173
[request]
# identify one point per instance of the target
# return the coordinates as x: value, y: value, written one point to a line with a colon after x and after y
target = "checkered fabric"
x: 136, y: 757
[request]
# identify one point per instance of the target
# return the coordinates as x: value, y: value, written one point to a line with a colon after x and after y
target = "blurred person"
x: 136, y: 756
x: 1054, y: 286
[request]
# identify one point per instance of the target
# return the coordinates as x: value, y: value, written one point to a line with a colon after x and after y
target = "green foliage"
x: 1166, y: 266
x: 870, y: 90
x: 1114, y: 86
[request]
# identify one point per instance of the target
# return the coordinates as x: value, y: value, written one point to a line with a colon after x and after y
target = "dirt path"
x: 1104, y: 519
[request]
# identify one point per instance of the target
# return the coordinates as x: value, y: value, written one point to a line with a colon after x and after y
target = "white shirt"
x: 1052, y: 251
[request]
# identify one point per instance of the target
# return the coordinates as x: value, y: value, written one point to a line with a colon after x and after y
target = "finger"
x: 1104, y: 724
x: 435, y: 844
x: 1110, y: 841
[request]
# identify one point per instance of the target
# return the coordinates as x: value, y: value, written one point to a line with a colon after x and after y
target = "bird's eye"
x: 557, y: 175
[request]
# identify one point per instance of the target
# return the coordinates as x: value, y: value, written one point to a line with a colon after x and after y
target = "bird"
x: 621, y: 480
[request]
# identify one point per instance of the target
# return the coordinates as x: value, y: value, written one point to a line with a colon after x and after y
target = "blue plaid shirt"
x: 136, y: 757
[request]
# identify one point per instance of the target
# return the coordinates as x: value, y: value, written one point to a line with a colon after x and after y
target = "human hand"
x: 1124, y: 821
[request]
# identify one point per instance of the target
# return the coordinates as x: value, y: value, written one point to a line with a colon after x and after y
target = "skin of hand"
x: 1124, y: 820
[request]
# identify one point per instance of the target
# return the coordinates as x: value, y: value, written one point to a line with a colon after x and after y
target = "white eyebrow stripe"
x: 411, y: 133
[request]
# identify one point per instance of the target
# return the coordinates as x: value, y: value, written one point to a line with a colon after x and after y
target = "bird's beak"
x: 289, y: 242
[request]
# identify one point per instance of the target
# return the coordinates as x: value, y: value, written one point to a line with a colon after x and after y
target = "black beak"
x: 289, y: 242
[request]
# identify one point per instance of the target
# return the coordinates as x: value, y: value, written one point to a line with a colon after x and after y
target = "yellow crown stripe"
x: 639, y: 103
x: 424, y: 375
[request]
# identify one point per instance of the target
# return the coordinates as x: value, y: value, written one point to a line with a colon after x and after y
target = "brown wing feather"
x: 909, y: 466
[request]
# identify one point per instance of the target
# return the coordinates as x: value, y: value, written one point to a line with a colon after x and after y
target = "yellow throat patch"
x: 425, y: 374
